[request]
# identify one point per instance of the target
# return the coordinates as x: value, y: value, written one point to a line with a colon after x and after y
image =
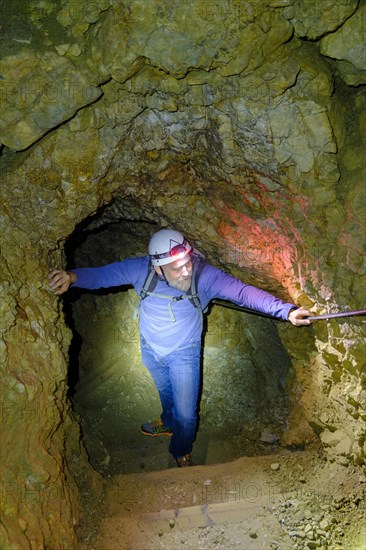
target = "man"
x: 171, y: 322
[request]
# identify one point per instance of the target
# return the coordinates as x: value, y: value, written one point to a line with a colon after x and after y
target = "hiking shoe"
x: 155, y: 428
x: 183, y: 461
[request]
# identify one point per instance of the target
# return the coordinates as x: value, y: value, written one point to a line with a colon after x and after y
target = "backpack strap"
x: 192, y: 294
x: 150, y: 283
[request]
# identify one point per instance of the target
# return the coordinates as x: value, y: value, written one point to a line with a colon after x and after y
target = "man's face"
x: 178, y: 273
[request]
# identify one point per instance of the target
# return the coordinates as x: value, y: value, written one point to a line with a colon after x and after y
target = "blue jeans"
x: 177, y: 378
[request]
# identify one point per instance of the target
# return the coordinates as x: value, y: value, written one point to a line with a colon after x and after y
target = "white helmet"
x: 167, y: 246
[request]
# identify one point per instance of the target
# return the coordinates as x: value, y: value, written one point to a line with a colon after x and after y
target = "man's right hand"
x: 60, y: 280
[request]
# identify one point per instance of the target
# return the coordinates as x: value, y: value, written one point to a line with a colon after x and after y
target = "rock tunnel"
x: 241, y: 124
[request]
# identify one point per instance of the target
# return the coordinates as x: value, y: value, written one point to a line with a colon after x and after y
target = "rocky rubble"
x: 328, y: 508
x: 322, y: 527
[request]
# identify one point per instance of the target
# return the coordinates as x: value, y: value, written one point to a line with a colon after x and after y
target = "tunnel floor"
x: 291, y: 500
x: 135, y: 452
x: 149, y: 454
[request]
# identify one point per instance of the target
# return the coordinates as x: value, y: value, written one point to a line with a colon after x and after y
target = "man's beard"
x: 183, y: 285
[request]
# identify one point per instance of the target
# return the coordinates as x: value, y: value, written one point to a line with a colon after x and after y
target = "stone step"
x: 199, y: 516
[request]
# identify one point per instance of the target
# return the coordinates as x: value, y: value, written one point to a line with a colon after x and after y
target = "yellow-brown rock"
x: 242, y: 127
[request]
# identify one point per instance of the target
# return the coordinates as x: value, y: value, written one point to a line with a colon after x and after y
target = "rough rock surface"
x: 347, y: 45
x: 312, y: 19
x: 234, y: 130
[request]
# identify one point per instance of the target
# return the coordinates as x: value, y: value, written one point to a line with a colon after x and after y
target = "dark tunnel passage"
x: 244, y: 402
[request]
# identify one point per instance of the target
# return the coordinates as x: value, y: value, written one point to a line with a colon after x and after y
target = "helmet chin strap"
x: 164, y: 277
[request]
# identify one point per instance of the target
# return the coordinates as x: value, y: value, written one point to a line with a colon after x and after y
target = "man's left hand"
x: 298, y: 317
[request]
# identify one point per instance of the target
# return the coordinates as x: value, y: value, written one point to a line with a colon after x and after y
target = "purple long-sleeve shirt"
x: 156, y: 325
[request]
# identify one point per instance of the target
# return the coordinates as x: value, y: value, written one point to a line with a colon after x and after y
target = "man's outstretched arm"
x: 130, y: 271
x: 219, y: 284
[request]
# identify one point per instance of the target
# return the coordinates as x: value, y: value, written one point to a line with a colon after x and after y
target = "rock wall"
x: 245, y: 129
